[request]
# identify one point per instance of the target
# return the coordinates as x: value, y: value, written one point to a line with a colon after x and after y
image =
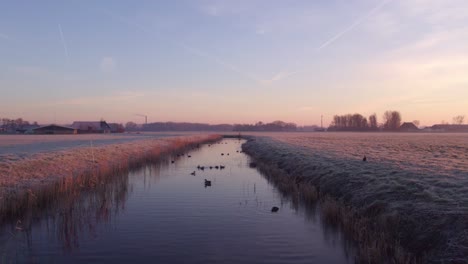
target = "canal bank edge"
x: 27, y: 183
x: 374, y: 237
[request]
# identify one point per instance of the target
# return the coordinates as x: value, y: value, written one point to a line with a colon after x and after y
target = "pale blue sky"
x: 233, y: 61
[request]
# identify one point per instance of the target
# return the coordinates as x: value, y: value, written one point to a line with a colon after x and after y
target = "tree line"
x: 358, y: 122
x: 273, y: 126
x: 12, y: 125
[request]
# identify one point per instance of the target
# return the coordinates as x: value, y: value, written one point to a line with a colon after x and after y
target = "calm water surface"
x: 163, y: 214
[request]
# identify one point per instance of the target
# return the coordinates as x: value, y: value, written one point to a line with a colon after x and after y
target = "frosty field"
x: 20, y: 146
x: 413, y: 187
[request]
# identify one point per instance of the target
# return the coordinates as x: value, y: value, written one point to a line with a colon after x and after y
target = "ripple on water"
x: 170, y: 217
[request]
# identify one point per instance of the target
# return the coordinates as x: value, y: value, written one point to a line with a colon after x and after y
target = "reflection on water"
x: 162, y: 213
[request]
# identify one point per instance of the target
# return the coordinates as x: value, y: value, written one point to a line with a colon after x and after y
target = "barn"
x: 54, y: 130
x: 408, y: 127
x: 87, y: 127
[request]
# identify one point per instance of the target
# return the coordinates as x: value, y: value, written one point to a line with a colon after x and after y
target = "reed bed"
x: 33, y: 183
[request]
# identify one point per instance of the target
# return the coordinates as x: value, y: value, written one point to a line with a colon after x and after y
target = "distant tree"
x: 392, y: 120
x: 458, y: 120
x: 416, y: 123
x: 131, y: 126
x: 348, y: 122
x: 373, y: 122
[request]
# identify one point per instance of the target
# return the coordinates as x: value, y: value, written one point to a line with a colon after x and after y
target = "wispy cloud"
x: 285, y: 74
x: 64, y: 43
x: 307, y: 108
x: 212, y: 10
x: 33, y: 70
x: 280, y: 75
x: 119, y: 97
x: 4, y: 36
x: 356, y: 23
x: 192, y: 50
x: 107, y: 64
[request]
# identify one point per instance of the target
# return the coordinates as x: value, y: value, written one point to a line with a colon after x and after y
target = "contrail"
x: 353, y: 25
x: 185, y: 47
x: 337, y: 36
x: 65, y: 48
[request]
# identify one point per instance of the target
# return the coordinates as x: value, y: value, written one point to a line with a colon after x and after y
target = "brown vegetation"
x: 26, y: 183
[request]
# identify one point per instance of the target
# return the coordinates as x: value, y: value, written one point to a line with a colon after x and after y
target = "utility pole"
x: 145, y: 116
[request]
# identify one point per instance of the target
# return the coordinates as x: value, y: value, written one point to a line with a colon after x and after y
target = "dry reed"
x: 33, y: 183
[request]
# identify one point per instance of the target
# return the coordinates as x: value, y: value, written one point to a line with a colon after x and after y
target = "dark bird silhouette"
x: 211, y: 167
x: 221, y: 167
x: 189, y: 156
x: 193, y: 173
x: 207, y: 183
x: 274, y: 209
x: 173, y: 161
x: 216, y: 167
x: 222, y: 154
x: 364, y: 159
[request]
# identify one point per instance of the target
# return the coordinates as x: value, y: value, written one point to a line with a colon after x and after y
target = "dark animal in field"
x: 211, y: 167
x: 198, y: 167
x: 207, y: 183
x: 274, y: 209
x: 222, y: 154
x: 189, y: 156
x: 364, y: 159
x: 193, y: 173
x: 216, y: 167
x: 173, y: 161
x: 221, y: 167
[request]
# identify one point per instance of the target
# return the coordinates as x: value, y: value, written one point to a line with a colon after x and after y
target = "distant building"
x: 54, y: 129
x: 449, y: 128
x: 408, y: 127
x: 87, y: 127
x: 27, y: 129
x: 116, y: 128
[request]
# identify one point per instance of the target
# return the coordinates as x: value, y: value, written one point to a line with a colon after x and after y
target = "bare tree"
x: 458, y: 120
x: 373, y: 122
x: 131, y: 126
x: 392, y: 120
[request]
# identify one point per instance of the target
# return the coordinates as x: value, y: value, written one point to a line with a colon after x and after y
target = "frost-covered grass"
x: 26, y: 182
x: 20, y: 146
x: 412, y: 191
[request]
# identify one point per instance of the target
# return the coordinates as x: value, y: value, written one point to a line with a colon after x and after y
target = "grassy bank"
x: 389, y: 216
x: 33, y: 181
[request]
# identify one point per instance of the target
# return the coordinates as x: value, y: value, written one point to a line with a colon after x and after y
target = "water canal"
x: 163, y: 214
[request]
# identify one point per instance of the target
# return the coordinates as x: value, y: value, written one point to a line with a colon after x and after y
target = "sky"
x: 233, y: 61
